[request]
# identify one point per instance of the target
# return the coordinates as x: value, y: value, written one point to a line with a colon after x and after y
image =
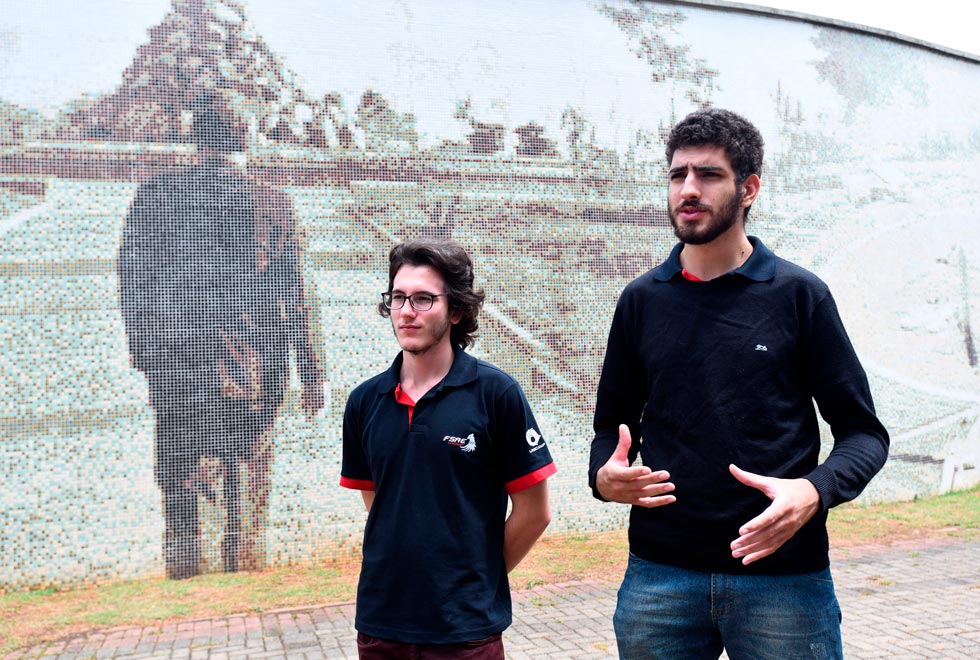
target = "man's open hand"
x: 794, y: 502
x: 617, y: 481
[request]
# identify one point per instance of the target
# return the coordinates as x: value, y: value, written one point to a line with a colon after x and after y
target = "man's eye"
x: 397, y: 298
x: 423, y: 300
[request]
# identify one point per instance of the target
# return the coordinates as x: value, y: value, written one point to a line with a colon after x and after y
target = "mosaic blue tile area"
x: 212, y: 360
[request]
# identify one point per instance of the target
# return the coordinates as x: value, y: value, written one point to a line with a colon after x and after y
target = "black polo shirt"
x: 433, y: 569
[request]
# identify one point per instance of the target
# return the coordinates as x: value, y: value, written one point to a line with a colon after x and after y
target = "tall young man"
x: 713, y: 363
x: 436, y: 445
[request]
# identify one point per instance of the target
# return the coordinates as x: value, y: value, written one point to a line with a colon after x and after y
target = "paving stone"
x: 906, y: 601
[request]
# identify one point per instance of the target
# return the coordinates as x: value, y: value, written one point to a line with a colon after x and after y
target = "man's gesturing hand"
x: 618, y: 482
x: 794, y: 502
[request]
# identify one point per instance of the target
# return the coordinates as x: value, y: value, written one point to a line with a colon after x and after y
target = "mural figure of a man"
x: 212, y: 296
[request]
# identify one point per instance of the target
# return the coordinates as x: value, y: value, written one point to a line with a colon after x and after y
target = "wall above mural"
x: 530, y: 132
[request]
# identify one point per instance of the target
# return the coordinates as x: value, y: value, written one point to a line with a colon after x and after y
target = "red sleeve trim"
x: 356, y: 484
x: 528, y: 480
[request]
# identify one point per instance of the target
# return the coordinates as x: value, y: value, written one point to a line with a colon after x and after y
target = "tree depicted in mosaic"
x: 532, y: 142
x: 334, y: 118
x: 18, y: 124
x: 649, y: 30
x: 382, y: 127
x: 203, y: 46
x: 796, y: 152
x: 868, y: 72
x: 592, y: 161
x: 484, y: 137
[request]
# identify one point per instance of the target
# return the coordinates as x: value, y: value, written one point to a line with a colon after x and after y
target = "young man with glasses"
x: 436, y: 445
x: 713, y: 363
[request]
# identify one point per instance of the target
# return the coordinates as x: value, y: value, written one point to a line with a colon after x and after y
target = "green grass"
x: 956, y: 514
x: 50, y: 614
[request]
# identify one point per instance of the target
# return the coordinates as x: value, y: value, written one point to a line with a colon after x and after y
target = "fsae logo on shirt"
x: 534, y: 440
x: 467, y: 444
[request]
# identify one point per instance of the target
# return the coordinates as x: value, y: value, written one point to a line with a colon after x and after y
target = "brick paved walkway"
x: 904, y: 602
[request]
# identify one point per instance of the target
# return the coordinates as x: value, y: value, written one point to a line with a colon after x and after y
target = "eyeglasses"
x: 420, y: 302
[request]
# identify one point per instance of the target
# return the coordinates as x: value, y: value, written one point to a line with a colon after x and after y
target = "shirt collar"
x: 760, y: 266
x: 462, y: 371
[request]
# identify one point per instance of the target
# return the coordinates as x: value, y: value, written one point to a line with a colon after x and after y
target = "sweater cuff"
x: 825, y: 482
x: 595, y: 491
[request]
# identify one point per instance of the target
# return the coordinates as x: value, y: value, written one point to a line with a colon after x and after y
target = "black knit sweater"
x: 726, y: 371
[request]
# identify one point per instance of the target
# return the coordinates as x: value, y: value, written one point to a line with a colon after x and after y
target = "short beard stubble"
x: 720, y: 221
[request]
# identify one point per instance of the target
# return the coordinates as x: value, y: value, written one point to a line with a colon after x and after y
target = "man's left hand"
x: 312, y: 399
x: 794, y: 503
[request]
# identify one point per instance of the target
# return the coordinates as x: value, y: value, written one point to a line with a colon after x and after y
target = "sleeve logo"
x: 534, y: 440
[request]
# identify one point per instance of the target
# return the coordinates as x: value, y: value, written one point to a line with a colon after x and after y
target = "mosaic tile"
x: 536, y: 143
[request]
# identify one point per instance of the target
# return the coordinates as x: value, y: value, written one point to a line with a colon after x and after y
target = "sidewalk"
x: 915, y: 600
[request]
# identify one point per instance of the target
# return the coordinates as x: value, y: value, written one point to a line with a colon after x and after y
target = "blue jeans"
x: 670, y: 613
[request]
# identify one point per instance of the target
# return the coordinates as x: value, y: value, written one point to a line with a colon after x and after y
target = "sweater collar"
x: 760, y: 266
x: 462, y: 371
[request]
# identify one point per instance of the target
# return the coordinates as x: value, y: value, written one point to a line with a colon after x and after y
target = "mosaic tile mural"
x: 179, y: 334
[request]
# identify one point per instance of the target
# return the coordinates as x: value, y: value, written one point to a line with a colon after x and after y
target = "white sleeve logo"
x: 532, y: 437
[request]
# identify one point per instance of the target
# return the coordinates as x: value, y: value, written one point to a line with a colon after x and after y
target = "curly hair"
x: 452, y: 261
x: 741, y: 140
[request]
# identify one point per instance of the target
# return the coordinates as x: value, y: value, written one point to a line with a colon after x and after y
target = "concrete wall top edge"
x: 823, y: 20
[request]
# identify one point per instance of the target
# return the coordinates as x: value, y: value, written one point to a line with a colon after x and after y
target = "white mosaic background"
x: 390, y: 119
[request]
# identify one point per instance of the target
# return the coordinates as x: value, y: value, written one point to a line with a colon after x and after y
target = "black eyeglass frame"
x: 387, y: 300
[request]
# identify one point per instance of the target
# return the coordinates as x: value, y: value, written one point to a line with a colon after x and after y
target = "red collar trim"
x: 688, y: 275
x: 405, y: 400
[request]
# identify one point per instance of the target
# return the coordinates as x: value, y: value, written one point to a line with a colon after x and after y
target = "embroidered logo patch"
x: 467, y: 444
x: 534, y: 440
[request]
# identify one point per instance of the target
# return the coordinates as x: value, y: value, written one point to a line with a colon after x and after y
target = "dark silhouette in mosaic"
x: 212, y: 294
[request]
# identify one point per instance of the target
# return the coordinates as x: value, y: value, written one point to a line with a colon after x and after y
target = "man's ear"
x: 750, y: 189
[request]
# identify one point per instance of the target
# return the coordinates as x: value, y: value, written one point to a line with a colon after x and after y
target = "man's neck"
x: 720, y: 256
x: 212, y: 157
x: 422, y: 371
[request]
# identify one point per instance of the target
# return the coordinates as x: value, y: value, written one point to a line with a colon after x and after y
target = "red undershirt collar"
x: 406, y: 400
x: 688, y: 275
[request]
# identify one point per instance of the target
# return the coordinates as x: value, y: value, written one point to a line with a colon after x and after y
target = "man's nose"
x: 690, y: 189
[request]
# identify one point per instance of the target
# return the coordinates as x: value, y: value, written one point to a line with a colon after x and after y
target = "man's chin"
x: 696, y: 239
x: 688, y: 236
x: 701, y: 235
x: 415, y: 348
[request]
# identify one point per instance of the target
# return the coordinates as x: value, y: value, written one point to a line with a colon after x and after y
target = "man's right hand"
x: 616, y: 481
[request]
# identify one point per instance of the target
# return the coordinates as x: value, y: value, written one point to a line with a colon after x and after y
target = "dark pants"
x: 182, y: 543
x: 194, y: 420
x: 373, y: 648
